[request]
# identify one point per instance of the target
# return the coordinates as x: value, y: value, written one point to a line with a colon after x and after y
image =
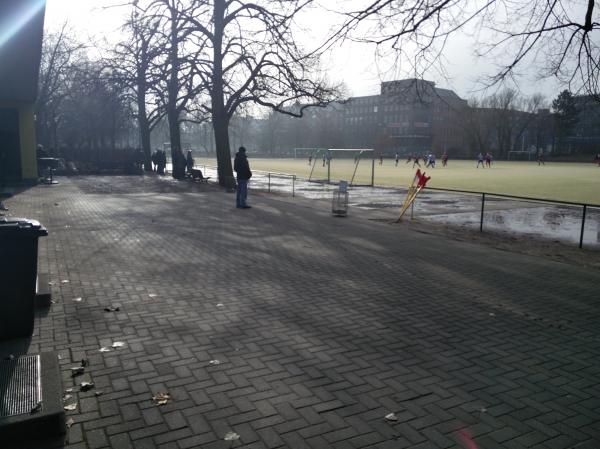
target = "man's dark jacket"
x: 241, y: 166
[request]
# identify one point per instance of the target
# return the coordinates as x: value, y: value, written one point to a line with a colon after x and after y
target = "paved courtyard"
x: 294, y: 329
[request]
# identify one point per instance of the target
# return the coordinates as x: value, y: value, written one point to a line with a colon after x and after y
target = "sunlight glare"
x: 12, y: 23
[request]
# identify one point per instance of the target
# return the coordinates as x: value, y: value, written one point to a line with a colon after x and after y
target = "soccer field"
x: 575, y: 182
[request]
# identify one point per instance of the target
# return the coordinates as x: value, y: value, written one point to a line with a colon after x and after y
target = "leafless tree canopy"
x: 224, y: 54
x: 560, y: 37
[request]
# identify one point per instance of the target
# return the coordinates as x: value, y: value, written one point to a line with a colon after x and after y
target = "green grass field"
x: 575, y: 182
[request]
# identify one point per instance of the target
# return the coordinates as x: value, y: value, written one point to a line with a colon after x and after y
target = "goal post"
x: 519, y: 155
x: 303, y: 153
x: 339, y: 163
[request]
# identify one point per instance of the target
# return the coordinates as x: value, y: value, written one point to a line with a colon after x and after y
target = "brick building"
x: 408, y: 116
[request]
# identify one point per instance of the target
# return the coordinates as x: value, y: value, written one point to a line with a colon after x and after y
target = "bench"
x: 196, y: 175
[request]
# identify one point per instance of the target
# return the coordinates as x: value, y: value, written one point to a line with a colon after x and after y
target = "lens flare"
x: 23, y: 12
x: 466, y: 439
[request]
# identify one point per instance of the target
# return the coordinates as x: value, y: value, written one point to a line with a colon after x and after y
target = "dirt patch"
x: 521, y: 244
x: 123, y: 185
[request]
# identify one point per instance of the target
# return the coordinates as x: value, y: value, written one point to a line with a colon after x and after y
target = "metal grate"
x: 20, y: 385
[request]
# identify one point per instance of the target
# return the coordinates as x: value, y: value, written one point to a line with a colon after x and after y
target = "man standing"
x: 242, y: 168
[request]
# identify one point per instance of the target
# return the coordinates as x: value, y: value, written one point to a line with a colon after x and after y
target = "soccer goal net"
x: 520, y: 155
x: 334, y: 164
x: 306, y: 153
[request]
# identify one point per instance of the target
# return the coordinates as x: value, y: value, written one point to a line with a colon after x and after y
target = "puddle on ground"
x: 553, y: 222
x: 544, y: 221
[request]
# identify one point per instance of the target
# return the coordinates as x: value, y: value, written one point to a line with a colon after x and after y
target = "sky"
x: 354, y: 64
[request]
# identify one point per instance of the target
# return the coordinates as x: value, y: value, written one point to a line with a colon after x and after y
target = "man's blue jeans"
x: 242, y: 193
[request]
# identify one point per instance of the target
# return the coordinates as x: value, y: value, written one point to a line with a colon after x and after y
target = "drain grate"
x: 20, y: 386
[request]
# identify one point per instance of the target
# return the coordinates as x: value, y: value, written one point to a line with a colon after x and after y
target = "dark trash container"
x: 18, y: 274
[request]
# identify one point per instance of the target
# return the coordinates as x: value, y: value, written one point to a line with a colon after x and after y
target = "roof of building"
x: 447, y: 93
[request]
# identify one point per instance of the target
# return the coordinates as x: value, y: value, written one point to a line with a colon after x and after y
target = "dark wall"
x: 10, y: 154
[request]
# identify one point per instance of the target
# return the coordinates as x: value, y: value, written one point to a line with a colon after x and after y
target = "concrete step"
x: 30, y: 400
x: 43, y: 293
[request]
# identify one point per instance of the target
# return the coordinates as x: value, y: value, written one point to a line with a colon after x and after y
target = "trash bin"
x: 339, y: 204
x: 18, y: 273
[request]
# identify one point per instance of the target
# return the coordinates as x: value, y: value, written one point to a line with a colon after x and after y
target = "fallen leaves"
x: 391, y: 417
x: 85, y: 386
x: 161, y: 398
x: 231, y: 436
x: 77, y: 371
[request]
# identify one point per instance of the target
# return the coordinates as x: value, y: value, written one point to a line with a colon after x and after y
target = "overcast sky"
x: 355, y: 64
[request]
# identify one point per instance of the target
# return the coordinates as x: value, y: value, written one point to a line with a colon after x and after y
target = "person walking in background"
x: 154, y: 158
x: 430, y: 160
x: 397, y: 159
x: 488, y: 159
x: 540, y: 158
x: 416, y: 161
x: 189, y: 161
x: 161, y: 162
x: 480, y: 160
x: 242, y: 169
x: 444, y: 159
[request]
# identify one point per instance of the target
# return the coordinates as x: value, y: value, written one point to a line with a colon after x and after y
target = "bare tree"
x: 252, y: 57
x: 135, y: 62
x: 561, y: 35
x: 181, y: 57
x: 499, y: 121
x: 60, y: 52
x: 95, y: 112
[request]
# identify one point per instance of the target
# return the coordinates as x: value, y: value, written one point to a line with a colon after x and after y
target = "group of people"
x: 484, y: 160
x: 159, y: 161
x: 428, y: 159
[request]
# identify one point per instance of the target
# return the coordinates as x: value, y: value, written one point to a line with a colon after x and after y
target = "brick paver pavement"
x: 322, y: 326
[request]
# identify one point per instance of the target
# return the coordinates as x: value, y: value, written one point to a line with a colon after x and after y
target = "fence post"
x: 269, y: 182
x: 482, y: 208
x: 582, y: 226
x: 373, y: 172
x: 293, y: 186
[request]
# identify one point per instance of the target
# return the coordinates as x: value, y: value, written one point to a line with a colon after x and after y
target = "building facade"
x: 21, y: 29
x: 408, y: 117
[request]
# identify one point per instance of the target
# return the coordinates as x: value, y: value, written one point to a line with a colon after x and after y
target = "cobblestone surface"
x: 321, y: 327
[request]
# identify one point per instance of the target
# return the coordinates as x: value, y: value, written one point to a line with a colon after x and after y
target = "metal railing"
x: 264, y: 180
x: 280, y: 175
x: 584, y: 206
x: 261, y: 177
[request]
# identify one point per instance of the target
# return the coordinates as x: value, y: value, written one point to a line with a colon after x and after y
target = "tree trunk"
x: 177, y: 158
x: 224, y: 169
x: 144, y: 134
x: 220, y: 117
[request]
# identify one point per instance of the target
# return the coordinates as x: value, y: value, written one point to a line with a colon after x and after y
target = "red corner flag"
x: 422, y: 179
